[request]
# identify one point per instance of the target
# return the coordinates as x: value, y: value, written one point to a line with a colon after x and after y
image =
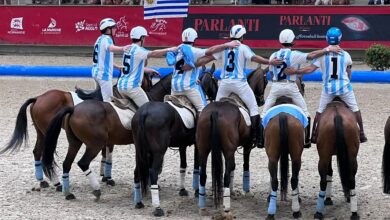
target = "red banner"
x: 79, y: 25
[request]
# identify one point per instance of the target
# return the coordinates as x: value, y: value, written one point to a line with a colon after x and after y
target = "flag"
x: 165, y: 8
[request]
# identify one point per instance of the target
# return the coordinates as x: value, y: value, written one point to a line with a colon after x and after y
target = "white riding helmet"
x: 138, y: 32
x: 189, y: 35
x: 287, y: 36
x: 237, y: 31
x: 106, y: 23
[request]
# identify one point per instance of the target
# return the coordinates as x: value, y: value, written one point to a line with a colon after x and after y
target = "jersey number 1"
x: 334, y: 72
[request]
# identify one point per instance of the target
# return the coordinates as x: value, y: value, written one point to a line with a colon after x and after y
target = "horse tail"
x: 342, y: 154
x: 142, y: 148
x: 283, y: 134
x: 20, y: 133
x: 386, y: 165
x: 51, y: 138
x: 216, y: 164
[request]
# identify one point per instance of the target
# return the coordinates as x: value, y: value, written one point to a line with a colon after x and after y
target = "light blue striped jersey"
x: 133, y: 71
x: 234, y: 62
x: 290, y: 59
x: 335, y: 80
x: 103, y: 59
x: 184, y: 80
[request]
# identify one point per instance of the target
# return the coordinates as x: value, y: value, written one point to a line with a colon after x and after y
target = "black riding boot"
x: 260, y: 134
x: 362, y: 137
x: 255, y: 130
x: 307, y: 135
x: 314, y: 132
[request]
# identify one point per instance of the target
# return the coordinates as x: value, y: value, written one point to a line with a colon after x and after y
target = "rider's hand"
x: 276, y: 62
x: 233, y: 44
x: 290, y: 71
x: 126, y: 48
x: 186, y: 67
x: 333, y: 48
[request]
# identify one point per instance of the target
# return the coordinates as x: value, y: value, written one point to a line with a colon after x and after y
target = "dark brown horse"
x: 338, y: 134
x: 222, y: 129
x: 284, y: 136
x: 157, y: 126
x: 97, y: 125
x: 386, y: 159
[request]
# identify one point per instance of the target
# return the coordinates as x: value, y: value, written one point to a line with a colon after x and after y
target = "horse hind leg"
x: 108, y: 165
x: 296, y: 166
x: 323, y: 170
x: 273, y: 171
x: 352, y: 192
x: 230, y: 166
x: 195, y: 174
x: 183, y: 170
x: 38, y: 165
x: 153, y: 172
x: 74, y: 147
x: 329, y: 179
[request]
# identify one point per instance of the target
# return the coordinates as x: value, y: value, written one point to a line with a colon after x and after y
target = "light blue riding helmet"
x: 333, y: 36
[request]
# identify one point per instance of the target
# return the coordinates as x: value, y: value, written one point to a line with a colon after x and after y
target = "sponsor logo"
x: 122, y: 29
x: 84, y: 26
x: 51, y: 28
x: 159, y: 27
x: 16, y: 26
x: 356, y: 24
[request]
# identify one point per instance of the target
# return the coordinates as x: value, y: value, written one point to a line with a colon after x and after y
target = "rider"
x: 129, y: 83
x: 336, y: 75
x: 185, y: 82
x: 103, y: 63
x: 284, y: 85
x: 234, y: 80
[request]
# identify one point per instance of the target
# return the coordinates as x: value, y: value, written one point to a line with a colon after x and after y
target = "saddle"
x: 125, y: 109
x: 90, y: 94
x: 236, y: 100
x: 184, y: 108
x: 125, y: 104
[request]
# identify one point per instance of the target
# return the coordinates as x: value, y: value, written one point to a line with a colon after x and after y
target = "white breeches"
x: 348, y: 98
x: 196, y: 97
x: 106, y: 88
x: 138, y: 95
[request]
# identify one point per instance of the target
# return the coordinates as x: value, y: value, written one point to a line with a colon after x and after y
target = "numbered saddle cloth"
x: 291, y: 109
x: 184, y: 108
x: 235, y: 100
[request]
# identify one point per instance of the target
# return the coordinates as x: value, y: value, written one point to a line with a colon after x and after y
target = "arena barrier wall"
x: 83, y: 71
x: 362, y: 26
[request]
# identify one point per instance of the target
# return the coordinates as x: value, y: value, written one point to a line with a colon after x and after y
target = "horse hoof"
x: 299, y: 199
x: 59, y: 188
x: 44, y: 184
x: 297, y: 214
x: 70, y: 197
x: 196, y: 194
x: 139, y: 205
x: 348, y: 199
x: 318, y: 216
x: 227, y: 215
x: 203, y: 212
x: 110, y: 182
x: 183, y: 192
x: 104, y: 179
x: 328, y: 201
x: 270, y: 217
x: 158, y: 212
x: 355, y: 216
x: 97, y: 194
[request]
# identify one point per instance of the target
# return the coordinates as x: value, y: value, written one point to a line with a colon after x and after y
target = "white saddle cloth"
x: 186, y: 115
x: 246, y: 116
x: 76, y: 99
x: 125, y: 116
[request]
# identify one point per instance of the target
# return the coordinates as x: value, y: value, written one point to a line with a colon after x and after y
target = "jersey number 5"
x: 334, y: 63
x: 95, y: 54
x: 230, y: 66
x: 126, y: 64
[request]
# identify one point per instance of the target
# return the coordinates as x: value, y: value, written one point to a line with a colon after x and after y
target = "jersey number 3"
x: 230, y: 66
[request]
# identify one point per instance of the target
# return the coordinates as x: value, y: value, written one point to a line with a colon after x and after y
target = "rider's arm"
x: 218, y: 48
x: 306, y: 70
x: 322, y: 52
x: 262, y: 60
x: 160, y: 52
x: 204, y: 60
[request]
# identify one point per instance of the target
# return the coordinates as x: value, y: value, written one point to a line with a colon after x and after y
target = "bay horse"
x: 338, y: 135
x: 157, y: 126
x: 386, y: 159
x: 284, y: 136
x: 97, y: 125
x: 222, y: 129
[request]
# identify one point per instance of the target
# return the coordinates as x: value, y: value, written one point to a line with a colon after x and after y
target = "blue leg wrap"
x: 38, y: 170
x: 195, y: 179
x: 202, y: 197
x: 272, y: 203
x: 246, y: 184
x: 65, y: 183
x: 107, y: 169
x: 320, y: 202
x: 137, y: 193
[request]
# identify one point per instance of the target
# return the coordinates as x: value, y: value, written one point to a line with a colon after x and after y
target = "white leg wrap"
x: 353, y: 200
x: 155, y: 196
x: 92, y: 179
x: 182, y: 177
x: 226, y: 199
x: 328, y: 193
x: 295, y: 200
x: 231, y: 181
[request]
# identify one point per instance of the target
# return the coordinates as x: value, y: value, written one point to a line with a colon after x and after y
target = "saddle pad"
x: 75, y: 98
x: 246, y: 116
x: 286, y: 108
x: 155, y: 80
x: 186, y: 116
x: 125, y: 116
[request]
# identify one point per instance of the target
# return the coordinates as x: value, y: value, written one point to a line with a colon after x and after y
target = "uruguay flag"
x: 165, y: 8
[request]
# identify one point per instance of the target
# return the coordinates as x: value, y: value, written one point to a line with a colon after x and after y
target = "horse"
x: 97, y: 125
x: 338, y: 134
x: 284, y: 136
x: 157, y: 126
x: 222, y: 129
x: 386, y: 159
